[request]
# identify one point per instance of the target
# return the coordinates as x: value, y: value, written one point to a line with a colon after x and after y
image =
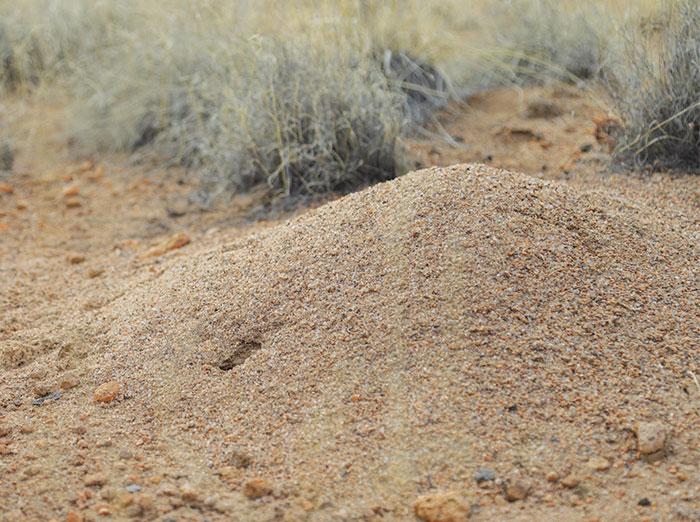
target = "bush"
x: 306, y: 96
x: 549, y: 39
x: 655, y: 88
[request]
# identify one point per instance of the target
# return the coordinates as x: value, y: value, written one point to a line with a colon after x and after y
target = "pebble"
x: 172, y: 243
x: 41, y: 389
x: 257, y: 488
x: 125, y: 500
x: 146, y: 502
x: 76, y: 259
x: 106, y: 392
x: 188, y: 493
x: 651, y: 437
x: 5, y: 430
x: 96, y: 480
x: 516, y: 491
x: 133, y: 488
x: 598, y: 464
x: 72, y: 190
x: 167, y: 490
x: 552, y: 476
x: 570, y: 481
x: 645, y: 502
x: 92, y: 273
x: 107, y: 494
x: 50, y: 397
x: 441, y: 507
x: 68, y: 382
x: 484, y: 475
x: 72, y: 516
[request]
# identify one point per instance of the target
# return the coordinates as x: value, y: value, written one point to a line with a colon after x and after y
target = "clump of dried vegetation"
x: 655, y: 86
x: 304, y: 96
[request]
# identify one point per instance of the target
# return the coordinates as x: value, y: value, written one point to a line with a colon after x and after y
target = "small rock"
x: 41, y: 389
x: 484, y: 475
x: 441, y: 507
x: 125, y: 500
x: 71, y: 190
x: 644, y: 502
x: 73, y: 203
x: 570, y: 481
x: 76, y: 259
x: 188, y: 494
x: 32, y: 471
x: 95, y: 480
x: 50, y: 397
x: 6, y: 188
x: 72, y: 516
x: 5, y: 430
x: 168, y: 490
x: 108, y: 494
x: 257, y: 488
x: 598, y: 464
x: 68, y: 382
x: 133, y: 488
x: 552, y: 476
x: 106, y: 392
x: 92, y: 273
x: 146, y: 502
x: 651, y: 437
x: 516, y: 491
x: 586, y: 147
x: 172, y: 243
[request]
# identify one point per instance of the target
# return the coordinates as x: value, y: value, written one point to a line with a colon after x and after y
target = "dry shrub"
x: 306, y: 96
x: 655, y: 87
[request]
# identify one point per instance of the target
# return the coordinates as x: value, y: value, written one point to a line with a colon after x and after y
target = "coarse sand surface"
x: 454, y: 324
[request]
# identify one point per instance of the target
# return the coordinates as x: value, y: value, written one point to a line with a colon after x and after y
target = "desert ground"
x: 509, y: 332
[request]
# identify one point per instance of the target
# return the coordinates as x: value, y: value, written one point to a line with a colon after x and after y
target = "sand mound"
x: 391, y: 343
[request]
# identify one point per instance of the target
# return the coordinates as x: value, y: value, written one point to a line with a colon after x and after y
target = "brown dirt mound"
x: 380, y: 348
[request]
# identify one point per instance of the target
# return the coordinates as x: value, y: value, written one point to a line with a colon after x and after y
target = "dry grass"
x: 656, y: 89
x: 304, y: 96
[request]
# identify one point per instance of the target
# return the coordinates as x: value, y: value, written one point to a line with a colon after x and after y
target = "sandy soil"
x: 460, y: 342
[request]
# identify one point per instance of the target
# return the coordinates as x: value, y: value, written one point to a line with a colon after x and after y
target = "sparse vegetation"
x: 304, y: 96
x: 656, y: 89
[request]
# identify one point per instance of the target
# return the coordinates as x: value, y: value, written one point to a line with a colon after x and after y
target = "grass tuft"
x: 655, y: 88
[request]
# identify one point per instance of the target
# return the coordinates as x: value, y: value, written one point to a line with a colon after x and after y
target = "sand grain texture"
x: 383, y: 347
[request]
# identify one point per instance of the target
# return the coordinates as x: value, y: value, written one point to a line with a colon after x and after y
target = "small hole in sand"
x: 240, y: 353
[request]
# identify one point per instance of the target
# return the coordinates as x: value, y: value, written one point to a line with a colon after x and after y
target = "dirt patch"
x: 453, y: 322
